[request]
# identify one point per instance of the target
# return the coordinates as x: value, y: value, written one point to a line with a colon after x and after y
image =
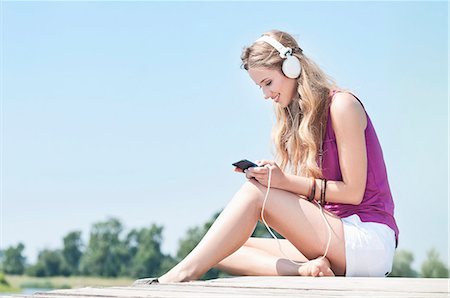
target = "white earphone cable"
x: 275, y: 237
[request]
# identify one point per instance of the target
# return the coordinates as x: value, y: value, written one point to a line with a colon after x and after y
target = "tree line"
x: 112, y: 252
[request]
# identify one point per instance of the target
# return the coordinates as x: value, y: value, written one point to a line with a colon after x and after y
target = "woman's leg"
x: 258, y: 257
x: 296, y: 219
x: 270, y: 246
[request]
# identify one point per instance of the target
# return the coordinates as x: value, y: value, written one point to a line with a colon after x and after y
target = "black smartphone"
x: 244, y: 164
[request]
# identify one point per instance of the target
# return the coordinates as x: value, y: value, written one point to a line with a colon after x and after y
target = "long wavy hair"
x: 297, y: 131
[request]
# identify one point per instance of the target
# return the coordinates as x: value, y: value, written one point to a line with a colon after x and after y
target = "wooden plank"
x: 162, y: 291
x: 426, y: 285
x: 272, y: 287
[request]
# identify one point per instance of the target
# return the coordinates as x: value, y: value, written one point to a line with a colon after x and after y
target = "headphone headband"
x: 291, y: 66
x: 284, y: 51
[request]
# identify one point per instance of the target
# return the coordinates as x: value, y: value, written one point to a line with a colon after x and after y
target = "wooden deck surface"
x: 272, y: 287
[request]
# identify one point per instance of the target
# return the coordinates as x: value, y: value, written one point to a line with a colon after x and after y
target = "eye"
x: 267, y: 84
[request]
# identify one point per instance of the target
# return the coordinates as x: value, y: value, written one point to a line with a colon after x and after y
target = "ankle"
x: 178, y: 274
x: 317, y: 267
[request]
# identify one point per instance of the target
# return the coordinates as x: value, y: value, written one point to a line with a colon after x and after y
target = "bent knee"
x: 254, y: 186
x: 254, y: 189
x: 253, y: 192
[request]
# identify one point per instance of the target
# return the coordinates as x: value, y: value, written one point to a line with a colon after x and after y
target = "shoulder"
x: 345, y: 108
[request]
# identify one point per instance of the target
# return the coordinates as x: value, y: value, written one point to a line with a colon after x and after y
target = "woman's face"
x: 274, y: 85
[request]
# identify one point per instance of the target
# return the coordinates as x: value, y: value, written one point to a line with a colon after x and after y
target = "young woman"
x: 328, y: 154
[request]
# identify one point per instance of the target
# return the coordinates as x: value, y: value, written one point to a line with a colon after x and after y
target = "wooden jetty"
x: 270, y: 287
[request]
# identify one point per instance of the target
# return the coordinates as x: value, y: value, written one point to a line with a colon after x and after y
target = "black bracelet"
x: 323, y: 200
x: 321, y: 191
x: 313, y: 190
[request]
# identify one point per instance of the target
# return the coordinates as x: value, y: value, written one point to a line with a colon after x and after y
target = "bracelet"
x: 323, y: 192
x: 312, y: 194
x: 308, y: 194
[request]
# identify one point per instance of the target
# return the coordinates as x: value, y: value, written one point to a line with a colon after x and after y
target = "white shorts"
x: 369, y: 247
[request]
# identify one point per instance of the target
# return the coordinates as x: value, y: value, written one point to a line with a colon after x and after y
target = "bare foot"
x: 171, y: 277
x: 176, y: 274
x: 317, y: 267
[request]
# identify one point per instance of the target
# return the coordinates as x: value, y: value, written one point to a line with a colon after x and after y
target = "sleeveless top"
x: 377, y: 204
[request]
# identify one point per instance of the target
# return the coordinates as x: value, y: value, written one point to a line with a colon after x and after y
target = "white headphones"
x: 291, y: 66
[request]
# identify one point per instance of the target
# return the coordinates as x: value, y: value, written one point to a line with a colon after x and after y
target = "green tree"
x: 49, y: 263
x: 402, y: 264
x: 72, y: 251
x: 13, y: 261
x: 433, y: 266
x: 144, y: 246
x: 106, y: 252
x: 3, y: 280
x: 37, y: 270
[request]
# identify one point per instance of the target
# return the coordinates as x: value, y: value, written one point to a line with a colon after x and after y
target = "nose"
x: 267, y: 93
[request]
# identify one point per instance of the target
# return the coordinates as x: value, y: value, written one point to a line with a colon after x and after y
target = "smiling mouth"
x: 277, y: 98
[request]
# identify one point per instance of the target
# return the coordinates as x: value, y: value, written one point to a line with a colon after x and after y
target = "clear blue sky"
x: 137, y: 109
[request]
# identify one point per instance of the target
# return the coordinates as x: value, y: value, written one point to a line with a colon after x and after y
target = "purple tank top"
x: 377, y: 204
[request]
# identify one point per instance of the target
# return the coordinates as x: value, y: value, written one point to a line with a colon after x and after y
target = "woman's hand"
x: 261, y: 173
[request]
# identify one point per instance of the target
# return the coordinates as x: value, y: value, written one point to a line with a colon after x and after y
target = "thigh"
x: 272, y: 247
x: 301, y: 222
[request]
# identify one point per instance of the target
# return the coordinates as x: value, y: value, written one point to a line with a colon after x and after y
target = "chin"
x: 282, y: 104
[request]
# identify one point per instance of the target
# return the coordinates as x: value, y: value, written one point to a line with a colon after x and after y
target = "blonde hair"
x: 297, y: 132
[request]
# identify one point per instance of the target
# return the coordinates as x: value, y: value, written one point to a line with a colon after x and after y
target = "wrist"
x: 284, y: 181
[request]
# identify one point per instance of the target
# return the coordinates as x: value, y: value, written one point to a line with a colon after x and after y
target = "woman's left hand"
x: 261, y: 173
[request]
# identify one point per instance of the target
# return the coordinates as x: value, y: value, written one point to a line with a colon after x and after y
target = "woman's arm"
x: 349, y: 123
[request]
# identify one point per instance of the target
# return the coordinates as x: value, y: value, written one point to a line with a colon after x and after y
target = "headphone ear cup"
x: 291, y: 67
